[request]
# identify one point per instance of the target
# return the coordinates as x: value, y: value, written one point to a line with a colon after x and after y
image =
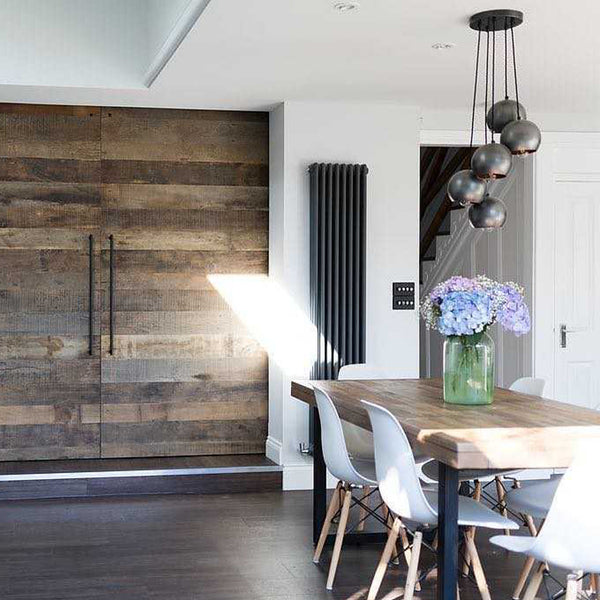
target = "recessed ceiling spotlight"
x: 443, y: 45
x: 346, y: 6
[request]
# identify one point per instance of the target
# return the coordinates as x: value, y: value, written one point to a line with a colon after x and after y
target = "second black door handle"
x: 111, y: 295
x: 92, y: 292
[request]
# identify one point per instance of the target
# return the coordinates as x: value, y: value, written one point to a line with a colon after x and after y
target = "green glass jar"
x: 469, y: 369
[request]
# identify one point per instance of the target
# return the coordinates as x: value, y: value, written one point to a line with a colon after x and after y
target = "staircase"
x: 438, y: 164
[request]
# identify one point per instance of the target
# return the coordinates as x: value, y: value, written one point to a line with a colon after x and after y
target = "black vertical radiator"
x: 338, y: 235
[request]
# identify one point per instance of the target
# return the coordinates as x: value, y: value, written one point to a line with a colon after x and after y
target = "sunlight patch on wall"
x: 273, y: 318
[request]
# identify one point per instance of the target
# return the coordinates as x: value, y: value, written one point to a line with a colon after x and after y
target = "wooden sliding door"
x: 155, y: 363
x: 184, y: 195
x: 49, y: 208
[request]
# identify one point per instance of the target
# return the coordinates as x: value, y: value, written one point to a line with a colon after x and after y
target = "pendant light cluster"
x: 506, y: 118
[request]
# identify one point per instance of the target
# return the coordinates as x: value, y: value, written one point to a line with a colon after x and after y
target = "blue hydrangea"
x: 463, y: 306
x: 464, y: 313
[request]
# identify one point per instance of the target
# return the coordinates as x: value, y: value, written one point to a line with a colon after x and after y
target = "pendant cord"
x: 487, y: 69
x: 512, y: 35
x: 506, y: 59
x: 475, y: 88
x: 493, y: 73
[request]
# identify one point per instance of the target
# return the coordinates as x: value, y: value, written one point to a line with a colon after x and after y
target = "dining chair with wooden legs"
x: 570, y: 536
x: 351, y: 474
x: 401, y: 490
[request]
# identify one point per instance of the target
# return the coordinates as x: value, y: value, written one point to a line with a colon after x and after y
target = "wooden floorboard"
x: 221, y: 547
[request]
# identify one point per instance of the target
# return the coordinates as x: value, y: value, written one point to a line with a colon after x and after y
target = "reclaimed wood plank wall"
x: 184, y: 194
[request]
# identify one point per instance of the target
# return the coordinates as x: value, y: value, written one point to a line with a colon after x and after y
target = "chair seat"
x: 564, y: 556
x: 431, y: 470
x: 366, y: 469
x: 514, y: 543
x: 534, y: 499
x: 474, y: 514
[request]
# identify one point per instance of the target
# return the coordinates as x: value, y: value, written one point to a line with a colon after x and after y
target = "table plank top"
x: 516, y: 431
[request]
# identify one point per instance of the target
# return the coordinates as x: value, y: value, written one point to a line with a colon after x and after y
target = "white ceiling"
x: 252, y: 54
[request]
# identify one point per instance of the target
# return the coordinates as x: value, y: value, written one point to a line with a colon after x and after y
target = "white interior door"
x: 577, y: 293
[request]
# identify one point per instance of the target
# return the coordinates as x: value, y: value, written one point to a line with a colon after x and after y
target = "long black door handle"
x: 111, y: 297
x: 92, y: 293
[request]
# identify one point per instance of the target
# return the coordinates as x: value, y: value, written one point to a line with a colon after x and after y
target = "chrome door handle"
x: 563, y: 335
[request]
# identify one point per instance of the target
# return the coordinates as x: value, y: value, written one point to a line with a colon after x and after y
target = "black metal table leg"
x: 447, y: 553
x: 319, y: 479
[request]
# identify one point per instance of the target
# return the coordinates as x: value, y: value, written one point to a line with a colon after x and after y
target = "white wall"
x: 386, y: 138
x: 504, y: 255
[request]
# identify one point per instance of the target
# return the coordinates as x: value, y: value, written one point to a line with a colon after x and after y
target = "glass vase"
x: 469, y: 369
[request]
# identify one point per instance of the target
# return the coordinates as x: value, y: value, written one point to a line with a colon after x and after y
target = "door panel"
x: 577, y: 294
x: 185, y: 195
x: 49, y: 206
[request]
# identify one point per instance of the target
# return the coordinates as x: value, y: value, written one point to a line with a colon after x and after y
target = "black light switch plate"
x: 403, y: 295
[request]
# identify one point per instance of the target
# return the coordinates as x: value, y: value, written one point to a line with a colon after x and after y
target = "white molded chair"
x: 570, y: 536
x: 350, y: 472
x: 401, y: 490
x: 529, y: 385
x: 358, y: 440
x: 534, y: 499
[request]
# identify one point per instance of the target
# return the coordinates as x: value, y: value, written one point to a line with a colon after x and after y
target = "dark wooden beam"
x: 426, y: 158
x: 459, y: 161
x: 434, y: 170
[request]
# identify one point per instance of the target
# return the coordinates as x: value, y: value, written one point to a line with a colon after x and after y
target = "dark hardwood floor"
x: 217, y: 547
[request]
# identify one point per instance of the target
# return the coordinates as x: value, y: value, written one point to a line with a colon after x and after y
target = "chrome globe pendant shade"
x: 502, y: 113
x: 507, y: 117
x: 489, y: 214
x: 491, y: 161
x: 521, y: 137
x: 465, y: 188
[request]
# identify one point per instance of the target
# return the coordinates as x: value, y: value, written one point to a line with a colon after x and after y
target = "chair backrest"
x: 365, y: 371
x: 570, y: 537
x: 397, y: 474
x: 358, y: 440
x: 529, y: 385
x: 335, y: 451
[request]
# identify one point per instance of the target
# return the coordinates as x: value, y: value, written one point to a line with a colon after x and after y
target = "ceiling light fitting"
x: 508, y: 117
x: 346, y: 6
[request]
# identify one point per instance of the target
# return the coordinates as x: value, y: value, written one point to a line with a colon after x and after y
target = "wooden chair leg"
x: 466, y: 563
x: 531, y: 525
x: 477, y: 569
x: 413, y: 567
x: 339, y: 538
x: 385, y: 559
x: 406, y: 551
x: 534, y: 584
x: 594, y: 583
x: 529, y: 562
x: 332, y: 509
x: 572, y: 586
x: 362, y: 513
x: 389, y: 520
x: 501, y: 493
x: 523, y: 577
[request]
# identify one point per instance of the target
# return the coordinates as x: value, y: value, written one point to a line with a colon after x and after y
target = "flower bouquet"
x: 463, y: 309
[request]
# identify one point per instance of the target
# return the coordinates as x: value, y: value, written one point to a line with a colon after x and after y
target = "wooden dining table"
x: 516, y: 431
